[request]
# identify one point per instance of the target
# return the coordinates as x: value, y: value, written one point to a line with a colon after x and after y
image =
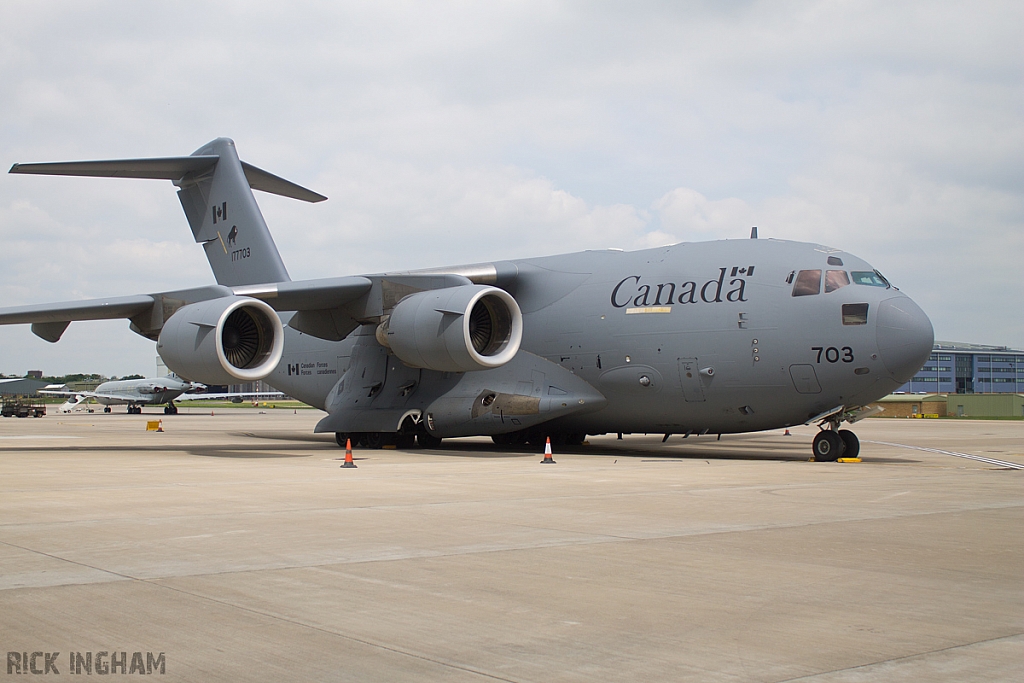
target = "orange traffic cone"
x: 547, y: 453
x: 787, y: 433
x: 348, y: 454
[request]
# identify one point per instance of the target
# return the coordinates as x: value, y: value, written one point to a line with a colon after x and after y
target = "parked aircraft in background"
x: 713, y: 337
x: 136, y: 393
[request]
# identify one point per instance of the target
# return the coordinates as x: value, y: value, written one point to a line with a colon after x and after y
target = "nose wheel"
x: 850, y: 442
x: 830, y: 445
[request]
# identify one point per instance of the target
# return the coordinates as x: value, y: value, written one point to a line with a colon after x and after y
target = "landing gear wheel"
x: 425, y: 440
x: 341, y: 438
x: 374, y: 440
x: 539, y: 439
x: 405, y: 441
x: 106, y: 409
x: 575, y: 439
x: 851, y: 442
x: 828, y: 446
x: 510, y: 439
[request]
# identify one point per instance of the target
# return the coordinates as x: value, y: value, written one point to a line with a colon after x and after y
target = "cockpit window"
x: 868, y: 277
x: 808, y: 282
x: 855, y: 314
x: 835, y: 261
x: 835, y: 279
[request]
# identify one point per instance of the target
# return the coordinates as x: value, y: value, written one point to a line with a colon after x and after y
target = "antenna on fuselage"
x: 753, y: 233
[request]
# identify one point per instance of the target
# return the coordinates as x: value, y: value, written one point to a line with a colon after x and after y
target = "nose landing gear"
x: 850, y: 442
x: 828, y: 446
x: 832, y: 443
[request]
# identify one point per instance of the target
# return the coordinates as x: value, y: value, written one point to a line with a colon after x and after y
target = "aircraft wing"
x: 50, y: 320
x: 64, y: 392
x: 148, y: 311
x: 328, y: 308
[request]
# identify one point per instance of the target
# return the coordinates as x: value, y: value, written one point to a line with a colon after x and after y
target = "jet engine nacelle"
x: 456, y: 329
x: 222, y: 341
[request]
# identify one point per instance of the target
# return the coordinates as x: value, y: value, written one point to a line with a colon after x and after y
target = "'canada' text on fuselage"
x: 665, y: 293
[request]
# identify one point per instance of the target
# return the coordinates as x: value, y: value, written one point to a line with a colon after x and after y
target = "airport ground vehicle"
x: 20, y: 406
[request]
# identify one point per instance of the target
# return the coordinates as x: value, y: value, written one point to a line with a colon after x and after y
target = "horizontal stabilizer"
x: 169, y: 168
x: 268, y: 182
x: 166, y: 168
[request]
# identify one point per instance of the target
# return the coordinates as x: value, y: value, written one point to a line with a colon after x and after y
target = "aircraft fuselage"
x: 694, y: 337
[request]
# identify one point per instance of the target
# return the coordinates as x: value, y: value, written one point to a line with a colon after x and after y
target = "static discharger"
x: 548, y: 460
x: 348, y: 454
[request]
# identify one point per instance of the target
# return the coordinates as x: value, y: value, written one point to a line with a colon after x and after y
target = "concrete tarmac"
x: 235, y: 545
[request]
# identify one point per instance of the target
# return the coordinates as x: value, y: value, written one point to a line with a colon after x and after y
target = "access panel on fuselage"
x: 690, y: 380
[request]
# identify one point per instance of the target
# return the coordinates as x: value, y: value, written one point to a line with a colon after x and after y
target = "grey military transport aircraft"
x: 696, y: 338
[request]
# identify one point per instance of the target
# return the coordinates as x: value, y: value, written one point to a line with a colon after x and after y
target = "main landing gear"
x: 412, y: 435
x: 170, y: 409
x: 378, y: 440
x: 134, y: 409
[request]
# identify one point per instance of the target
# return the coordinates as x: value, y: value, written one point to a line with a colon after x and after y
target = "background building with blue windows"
x: 955, y: 368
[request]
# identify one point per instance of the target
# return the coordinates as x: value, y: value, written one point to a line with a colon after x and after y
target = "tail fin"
x: 214, y: 190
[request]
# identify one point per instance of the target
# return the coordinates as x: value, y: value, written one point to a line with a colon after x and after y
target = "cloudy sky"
x: 454, y: 132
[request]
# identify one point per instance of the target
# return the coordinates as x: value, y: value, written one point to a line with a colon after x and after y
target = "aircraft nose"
x: 905, y: 336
